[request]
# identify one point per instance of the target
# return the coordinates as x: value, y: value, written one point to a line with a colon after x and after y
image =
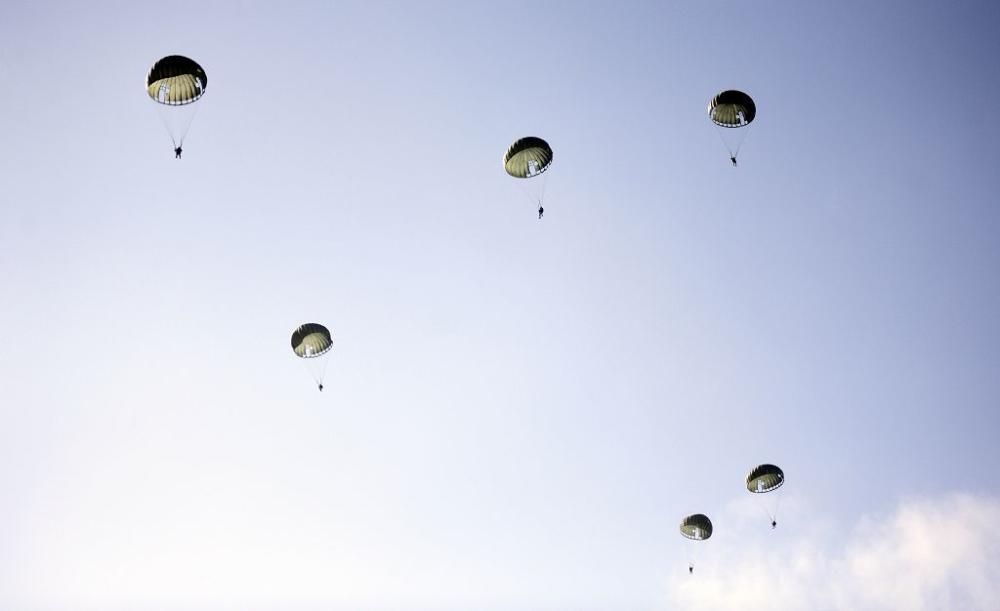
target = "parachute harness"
x: 535, y: 195
x: 733, y: 153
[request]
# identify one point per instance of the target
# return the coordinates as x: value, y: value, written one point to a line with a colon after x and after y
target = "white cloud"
x: 927, y: 555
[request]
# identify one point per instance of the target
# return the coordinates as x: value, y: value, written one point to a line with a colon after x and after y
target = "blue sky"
x: 517, y: 412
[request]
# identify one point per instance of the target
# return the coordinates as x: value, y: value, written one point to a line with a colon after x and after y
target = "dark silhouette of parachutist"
x: 541, y: 211
x: 733, y: 159
x: 321, y: 388
x: 774, y: 524
x: 177, y: 152
x: 691, y: 569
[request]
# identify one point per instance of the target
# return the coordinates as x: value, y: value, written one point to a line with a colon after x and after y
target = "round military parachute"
x: 176, y: 80
x: 311, y: 340
x: 527, y: 157
x: 765, y: 478
x: 696, y: 527
x: 732, y: 109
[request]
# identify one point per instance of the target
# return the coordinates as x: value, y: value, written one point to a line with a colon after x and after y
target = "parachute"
x: 732, y: 109
x: 696, y: 527
x: 763, y: 479
x: 312, y: 341
x: 529, y: 157
x: 176, y: 80
x: 175, y: 83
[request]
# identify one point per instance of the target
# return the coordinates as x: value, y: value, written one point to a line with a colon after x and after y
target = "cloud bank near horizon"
x: 928, y: 554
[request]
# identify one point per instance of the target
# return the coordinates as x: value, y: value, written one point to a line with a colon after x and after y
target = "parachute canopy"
x: 311, y: 340
x: 176, y: 80
x: 527, y: 157
x: 732, y: 109
x: 697, y: 527
x: 765, y: 478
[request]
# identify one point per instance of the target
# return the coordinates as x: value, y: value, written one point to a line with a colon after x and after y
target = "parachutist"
x: 529, y: 158
x: 773, y: 524
x: 310, y: 342
x: 732, y: 109
x: 174, y: 82
x: 691, y: 569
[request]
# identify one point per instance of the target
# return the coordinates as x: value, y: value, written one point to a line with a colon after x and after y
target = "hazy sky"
x: 517, y: 412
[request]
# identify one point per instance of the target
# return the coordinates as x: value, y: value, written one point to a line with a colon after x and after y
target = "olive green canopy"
x: 527, y: 157
x: 765, y: 478
x: 732, y: 109
x: 311, y: 340
x: 176, y: 80
x: 697, y: 527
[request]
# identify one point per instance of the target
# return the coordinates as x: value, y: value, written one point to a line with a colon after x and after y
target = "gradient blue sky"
x: 518, y: 413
